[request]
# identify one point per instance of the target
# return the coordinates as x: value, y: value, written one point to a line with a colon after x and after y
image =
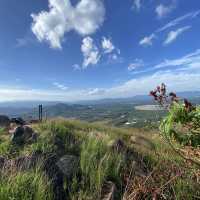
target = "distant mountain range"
x: 72, y: 109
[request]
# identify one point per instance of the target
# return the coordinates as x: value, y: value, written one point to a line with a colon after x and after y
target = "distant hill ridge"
x: 135, y: 99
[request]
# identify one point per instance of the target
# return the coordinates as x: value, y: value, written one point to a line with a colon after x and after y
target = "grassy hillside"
x: 113, y: 163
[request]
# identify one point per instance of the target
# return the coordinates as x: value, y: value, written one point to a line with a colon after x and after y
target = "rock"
x: 34, y: 137
x: 48, y: 165
x: 23, y: 162
x: 23, y: 134
x: 59, y: 145
x: 2, y: 161
x: 118, y: 145
x: 108, y: 191
x: 4, y: 121
x: 136, y: 161
x: 68, y: 164
x: 18, y: 121
x: 56, y: 177
x: 17, y: 136
x: 28, y: 132
x: 28, y: 162
x: 138, y: 169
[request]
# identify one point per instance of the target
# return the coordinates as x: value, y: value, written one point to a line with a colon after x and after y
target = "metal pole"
x: 41, y: 112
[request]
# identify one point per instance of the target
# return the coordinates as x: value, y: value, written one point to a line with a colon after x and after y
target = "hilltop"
x: 80, y: 160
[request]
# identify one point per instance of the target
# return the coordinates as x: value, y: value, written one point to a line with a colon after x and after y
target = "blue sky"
x: 72, y: 50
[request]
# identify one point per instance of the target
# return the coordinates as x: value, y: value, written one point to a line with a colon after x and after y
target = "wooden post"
x: 40, y: 112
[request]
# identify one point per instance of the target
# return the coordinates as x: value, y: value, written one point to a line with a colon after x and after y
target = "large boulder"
x: 56, y: 177
x: 4, y: 121
x: 18, y: 121
x: 23, y: 134
x: 17, y: 135
x: 68, y: 164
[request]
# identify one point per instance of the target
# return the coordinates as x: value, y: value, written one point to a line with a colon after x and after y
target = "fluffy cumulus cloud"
x: 148, y: 40
x: 162, y: 10
x: 84, y: 18
x: 136, y: 64
x: 172, y: 35
x: 90, y: 52
x: 107, y: 45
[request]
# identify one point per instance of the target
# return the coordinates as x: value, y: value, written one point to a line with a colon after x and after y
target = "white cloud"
x: 185, y: 79
x: 147, y: 41
x: 162, y: 10
x: 178, y: 20
x: 177, y: 81
x: 85, y: 18
x: 60, y: 86
x: 186, y: 61
x: 172, y: 35
x: 90, y: 52
x: 136, y: 64
x: 137, y: 4
x: 107, y: 45
x: 96, y: 91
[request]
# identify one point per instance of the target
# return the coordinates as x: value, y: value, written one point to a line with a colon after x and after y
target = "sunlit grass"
x: 99, y: 162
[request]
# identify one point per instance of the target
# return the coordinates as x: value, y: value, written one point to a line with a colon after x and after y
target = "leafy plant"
x: 182, y: 123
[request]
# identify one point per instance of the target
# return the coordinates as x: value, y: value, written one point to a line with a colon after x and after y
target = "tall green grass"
x: 32, y: 185
x: 98, y: 164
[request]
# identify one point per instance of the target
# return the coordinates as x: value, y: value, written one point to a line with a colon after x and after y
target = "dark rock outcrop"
x: 2, y: 161
x: 118, y: 145
x: 23, y: 134
x: 4, y: 121
x: 68, y: 164
x: 56, y: 177
x: 109, y: 191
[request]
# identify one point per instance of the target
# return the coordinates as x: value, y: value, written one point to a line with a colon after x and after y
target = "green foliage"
x: 99, y: 164
x: 186, y: 190
x: 182, y: 125
x: 25, y: 186
x: 2, y: 130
